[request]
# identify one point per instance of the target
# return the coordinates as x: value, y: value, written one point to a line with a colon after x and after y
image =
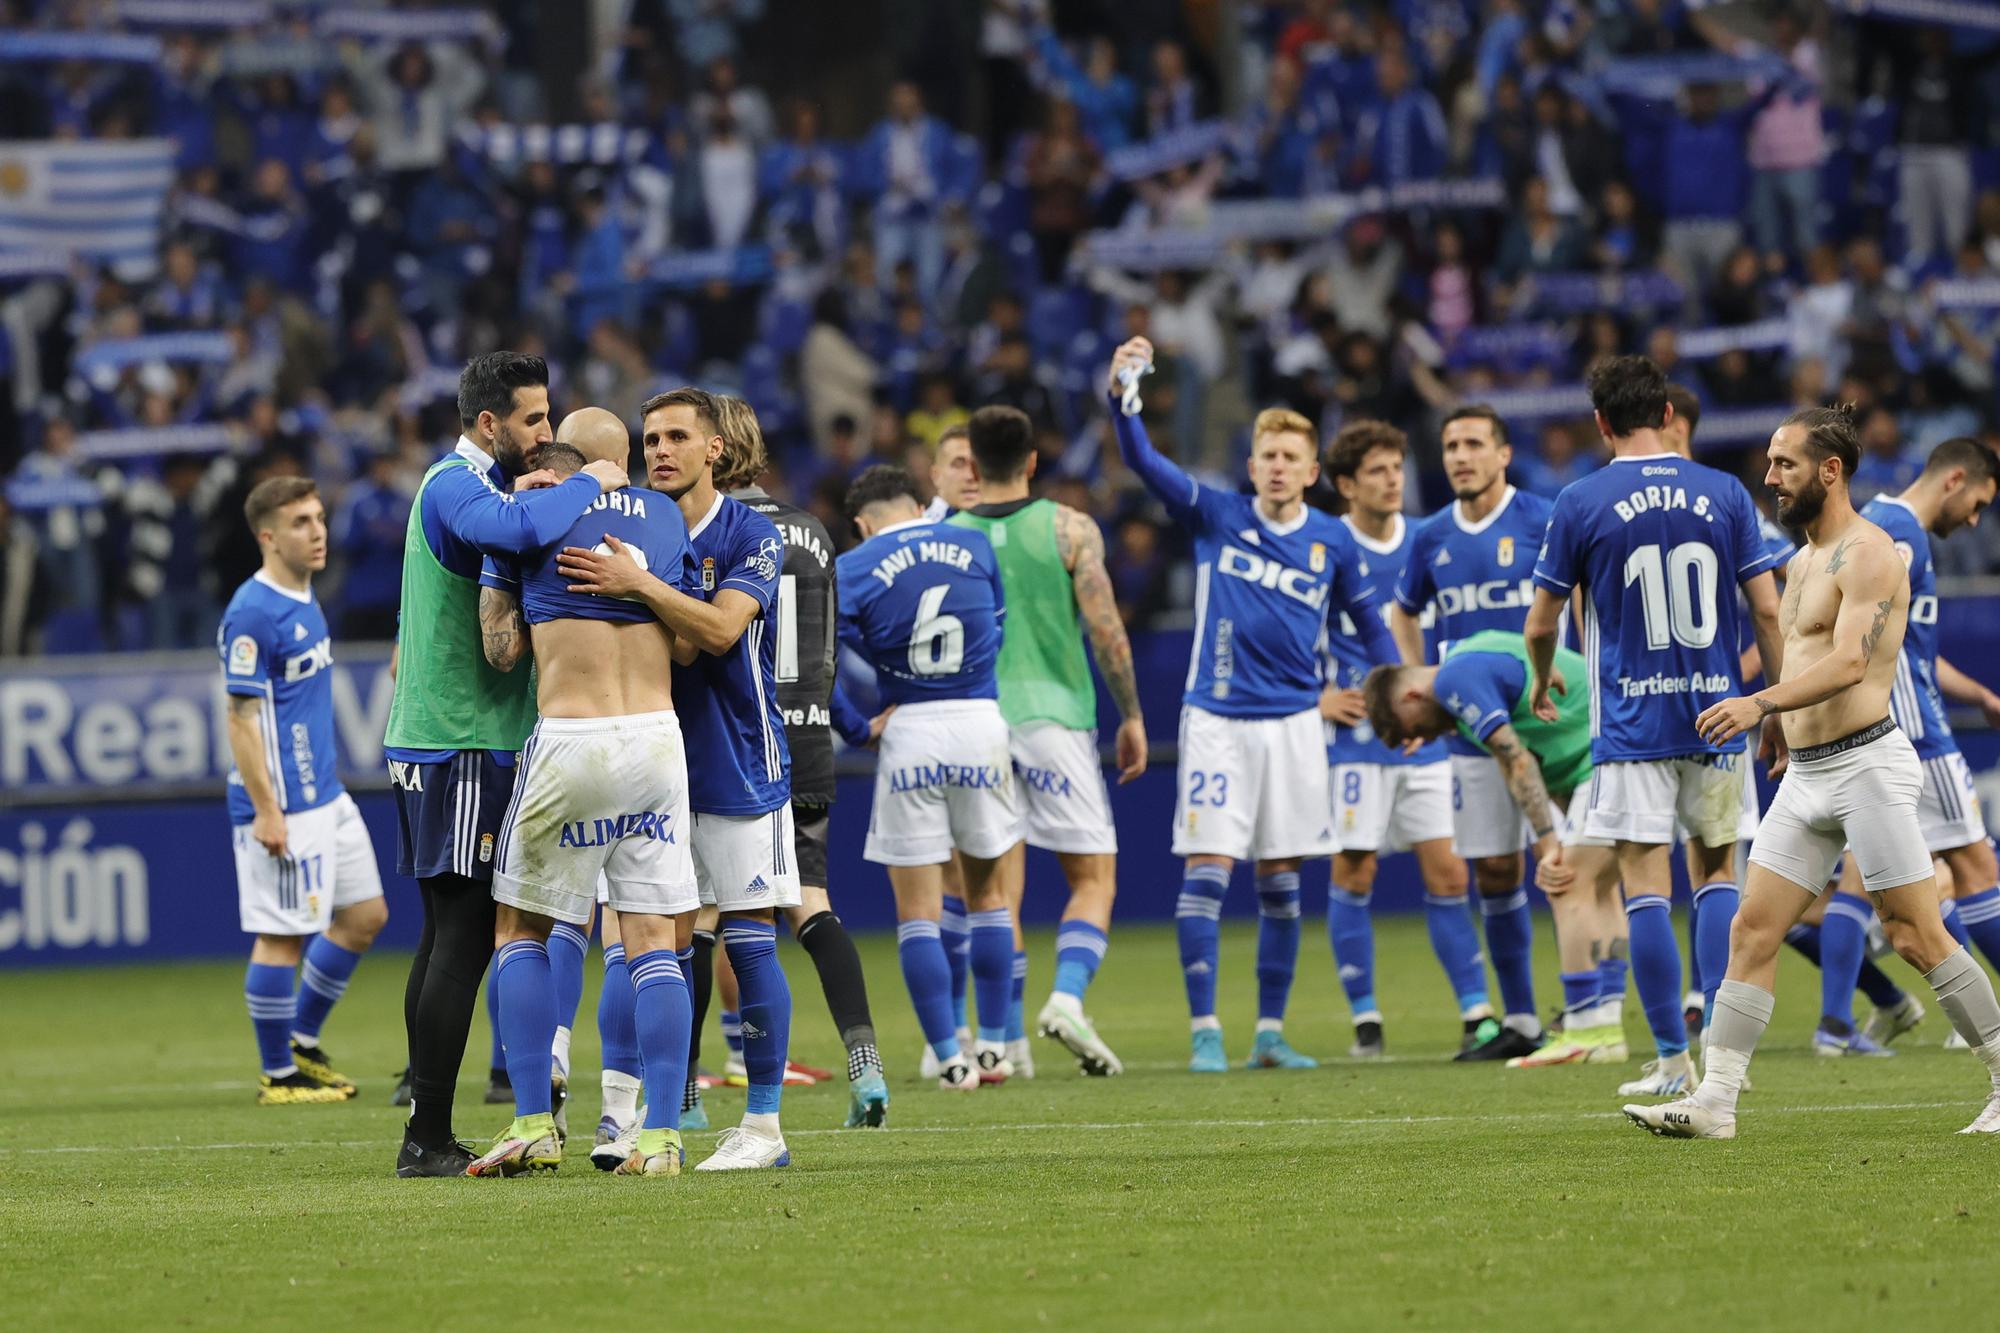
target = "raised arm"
x: 1081, y: 548
x: 1870, y: 576
x: 1175, y: 488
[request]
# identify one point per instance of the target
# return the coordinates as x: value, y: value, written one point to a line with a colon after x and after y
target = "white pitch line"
x: 1064, y: 1126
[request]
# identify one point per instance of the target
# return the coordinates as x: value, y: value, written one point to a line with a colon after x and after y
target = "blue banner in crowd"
x: 111, y: 47
x: 193, y: 13
x: 176, y: 348
x: 102, y: 199
x: 1983, y: 14
x: 1704, y: 344
x: 600, y: 144
x: 685, y: 270
x: 152, y: 441
x: 1190, y: 143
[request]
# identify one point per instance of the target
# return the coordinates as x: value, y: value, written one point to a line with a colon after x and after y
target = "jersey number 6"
x: 937, y: 642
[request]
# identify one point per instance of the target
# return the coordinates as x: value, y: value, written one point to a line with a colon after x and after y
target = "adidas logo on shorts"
x: 757, y: 885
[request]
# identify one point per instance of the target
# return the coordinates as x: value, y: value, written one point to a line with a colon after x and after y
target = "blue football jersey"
x: 1264, y: 597
x: 275, y: 646
x: 652, y: 530
x: 738, y: 761
x: 1347, y: 664
x: 1471, y: 577
x: 1915, y: 700
x: 1651, y: 540
x: 921, y: 602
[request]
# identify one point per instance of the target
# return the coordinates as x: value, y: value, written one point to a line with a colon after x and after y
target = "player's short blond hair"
x: 742, y: 459
x: 1283, y: 421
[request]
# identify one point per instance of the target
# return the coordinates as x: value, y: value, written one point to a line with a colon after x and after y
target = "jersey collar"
x: 1648, y: 458
x: 707, y: 518
x: 1277, y: 529
x: 1900, y: 503
x: 1368, y: 543
x: 303, y: 598
x: 1474, y: 529
x: 918, y: 522
x: 476, y: 456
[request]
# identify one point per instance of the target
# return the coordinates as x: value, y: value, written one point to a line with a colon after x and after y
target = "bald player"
x: 602, y: 796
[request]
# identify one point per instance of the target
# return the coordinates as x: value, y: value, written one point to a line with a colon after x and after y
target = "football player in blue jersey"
x: 601, y: 795
x: 728, y: 704
x: 306, y: 881
x: 922, y: 603
x: 1469, y: 567
x: 1383, y: 799
x: 1954, y: 489
x: 1270, y: 576
x: 1649, y: 538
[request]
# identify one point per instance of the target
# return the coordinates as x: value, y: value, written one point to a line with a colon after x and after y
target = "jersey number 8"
x: 937, y: 642
x: 1677, y: 593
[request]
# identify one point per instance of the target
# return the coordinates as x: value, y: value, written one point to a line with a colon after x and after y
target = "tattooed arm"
x: 1524, y: 779
x: 247, y: 747
x: 503, y: 633
x: 1080, y: 546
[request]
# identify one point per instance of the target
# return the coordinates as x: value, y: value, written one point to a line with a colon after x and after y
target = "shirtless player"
x: 1853, y: 779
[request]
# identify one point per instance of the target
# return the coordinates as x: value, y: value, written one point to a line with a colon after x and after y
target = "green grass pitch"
x: 140, y: 1187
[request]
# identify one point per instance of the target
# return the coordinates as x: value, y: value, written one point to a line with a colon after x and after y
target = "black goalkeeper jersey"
x: 805, y: 644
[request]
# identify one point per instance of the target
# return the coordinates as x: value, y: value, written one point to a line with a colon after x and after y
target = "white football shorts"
x: 1484, y: 819
x: 599, y: 794
x: 945, y: 781
x: 329, y: 863
x: 1060, y: 778
x: 1949, y: 810
x: 1862, y: 796
x: 1390, y: 807
x: 1661, y: 801
x: 1252, y: 788
x: 746, y: 862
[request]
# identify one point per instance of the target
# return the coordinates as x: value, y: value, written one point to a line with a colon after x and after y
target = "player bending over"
x: 305, y: 866
x: 1383, y: 799
x: 1252, y: 782
x: 1052, y: 569
x: 1481, y: 690
x: 1853, y: 779
x: 1656, y: 542
x: 922, y: 603
x: 602, y: 789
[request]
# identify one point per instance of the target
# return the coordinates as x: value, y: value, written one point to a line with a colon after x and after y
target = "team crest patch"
x: 242, y: 655
x: 485, y: 848
x: 708, y: 573
x: 1318, y: 558
x: 1506, y: 553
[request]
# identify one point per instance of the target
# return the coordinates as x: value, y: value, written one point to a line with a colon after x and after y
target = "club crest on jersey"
x: 485, y: 848
x: 1505, y: 555
x: 708, y: 573
x: 1317, y: 560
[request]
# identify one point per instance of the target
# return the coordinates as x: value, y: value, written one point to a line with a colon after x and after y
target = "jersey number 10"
x: 1677, y: 593
x: 937, y: 641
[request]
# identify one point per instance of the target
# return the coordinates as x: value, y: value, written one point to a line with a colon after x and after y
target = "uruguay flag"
x: 100, y: 200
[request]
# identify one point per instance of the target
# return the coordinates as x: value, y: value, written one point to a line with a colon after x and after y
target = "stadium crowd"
x: 1376, y: 209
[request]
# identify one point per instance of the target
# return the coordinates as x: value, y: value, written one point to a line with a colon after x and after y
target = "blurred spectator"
x: 706, y: 31
x: 800, y: 178
x: 166, y: 563
x: 1538, y: 240
x: 728, y: 168
x: 1401, y: 135
x: 1556, y: 463
x: 1787, y: 142
x: 1062, y: 166
x: 368, y: 530
x: 1739, y: 295
x: 70, y: 533
x: 1703, y: 187
x: 26, y: 589
x: 1172, y: 101
x: 1105, y: 100
x: 1365, y: 270
x: 937, y: 410
x: 1936, y: 93
x: 905, y: 166
x: 1139, y: 571
x: 1886, y: 466
x: 837, y: 376
x: 413, y: 95
x: 1008, y: 380
x: 723, y: 93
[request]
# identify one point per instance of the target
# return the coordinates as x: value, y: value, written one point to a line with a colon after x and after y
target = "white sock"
x: 1269, y: 1025
x: 763, y: 1122
x: 1372, y: 1016
x: 1723, y: 1079
x: 1990, y: 1054
x: 1204, y: 1023
x: 1063, y: 1000
x: 559, y: 1048
x: 1611, y: 1012
x: 1478, y: 1013
x: 621, y: 1095
x: 1525, y: 1024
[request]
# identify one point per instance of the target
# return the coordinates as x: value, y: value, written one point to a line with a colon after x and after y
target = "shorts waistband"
x: 946, y: 707
x: 597, y: 726
x: 1874, y: 731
